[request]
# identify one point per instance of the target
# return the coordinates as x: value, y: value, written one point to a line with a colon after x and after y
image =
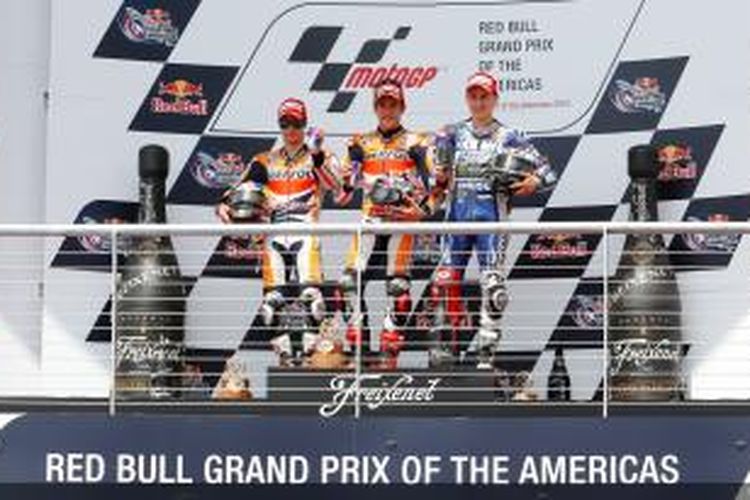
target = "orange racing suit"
x: 390, y: 167
x: 293, y: 186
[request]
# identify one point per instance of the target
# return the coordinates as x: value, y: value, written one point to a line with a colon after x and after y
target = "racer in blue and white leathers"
x: 473, y: 155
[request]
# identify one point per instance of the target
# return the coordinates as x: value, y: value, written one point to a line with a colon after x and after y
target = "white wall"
x: 24, y: 71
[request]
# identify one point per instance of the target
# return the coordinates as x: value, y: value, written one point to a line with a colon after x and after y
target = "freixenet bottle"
x: 558, y: 382
x: 151, y: 295
x: 645, y: 339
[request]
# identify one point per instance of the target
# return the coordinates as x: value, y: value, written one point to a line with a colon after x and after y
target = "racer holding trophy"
x: 487, y: 163
x: 286, y: 185
x: 394, y: 168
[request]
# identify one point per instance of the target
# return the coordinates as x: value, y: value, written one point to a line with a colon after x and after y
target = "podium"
x: 415, y: 391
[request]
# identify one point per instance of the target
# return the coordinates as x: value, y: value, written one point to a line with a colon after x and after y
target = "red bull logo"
x: 644, y: 95
x: 217, y: 172
x: 713, y: 242
x: 558, y: 246
x: 98, y: 242
x: 677, y: 163
x: 180, y: 97
x: 159, y: 17
x: 718, y: 218
x: 232, y: 161
x: 649, y: 84
x: 181, y: 89
x: 154, y: 26
x: 247, y: 249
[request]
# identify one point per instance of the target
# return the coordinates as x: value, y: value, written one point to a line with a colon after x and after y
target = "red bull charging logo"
x: 559, y: 246
x: 180, y: 97
x: 677, y: 163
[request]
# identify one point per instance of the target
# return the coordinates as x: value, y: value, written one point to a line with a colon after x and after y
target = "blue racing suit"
x: 467, y: 156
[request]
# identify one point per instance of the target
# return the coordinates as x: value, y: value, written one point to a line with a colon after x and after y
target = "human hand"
x: 526, y: 186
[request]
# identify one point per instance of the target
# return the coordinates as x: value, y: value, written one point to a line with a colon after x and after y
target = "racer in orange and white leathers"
x: 286, y: 185
x: 394, y: 169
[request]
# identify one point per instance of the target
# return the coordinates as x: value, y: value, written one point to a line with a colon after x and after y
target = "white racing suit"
x: 293, y: 188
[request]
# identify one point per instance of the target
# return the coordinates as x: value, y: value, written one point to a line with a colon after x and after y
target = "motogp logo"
x: 642, y: 96
x: 343, y: 78
x: 153, y: 26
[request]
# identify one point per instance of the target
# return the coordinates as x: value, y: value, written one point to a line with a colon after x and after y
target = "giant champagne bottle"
x: 151, y: 293
x: 645, y: 341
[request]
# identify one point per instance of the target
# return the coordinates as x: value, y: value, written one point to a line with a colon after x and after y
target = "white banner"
x: 587, y: 79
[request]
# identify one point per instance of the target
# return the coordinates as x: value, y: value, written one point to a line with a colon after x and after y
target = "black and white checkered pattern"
x: 315, y: 46
x: 570, y: 311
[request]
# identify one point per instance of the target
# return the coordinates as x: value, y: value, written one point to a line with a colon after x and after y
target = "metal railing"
x: 364, y: 387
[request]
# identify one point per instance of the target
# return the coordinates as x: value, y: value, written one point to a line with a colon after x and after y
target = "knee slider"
x: 273, y: 300
x: 348, y: 282
x: 495, y: 292
x: 398, y: 287
x: 312, y: 297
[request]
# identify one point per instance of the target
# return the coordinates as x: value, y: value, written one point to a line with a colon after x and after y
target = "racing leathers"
x: 393, y: 169
x: 292, y: 187
x: 472, y: 160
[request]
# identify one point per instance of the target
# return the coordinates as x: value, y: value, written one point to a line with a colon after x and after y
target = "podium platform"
x: 415, y: 391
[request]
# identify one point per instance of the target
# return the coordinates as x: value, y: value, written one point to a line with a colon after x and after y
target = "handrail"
x: 379, y: 228
x: 604, y: 229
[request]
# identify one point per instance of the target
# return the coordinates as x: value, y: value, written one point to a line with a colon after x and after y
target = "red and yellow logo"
x: 677, y: 163
x: 180, y: 97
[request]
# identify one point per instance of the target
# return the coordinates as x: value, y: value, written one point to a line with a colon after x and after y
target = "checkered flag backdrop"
x: 203, y: 77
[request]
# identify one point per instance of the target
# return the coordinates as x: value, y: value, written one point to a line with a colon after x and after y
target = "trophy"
x: 523, y: 389
x: 326, y: 351
x: 233, y: 384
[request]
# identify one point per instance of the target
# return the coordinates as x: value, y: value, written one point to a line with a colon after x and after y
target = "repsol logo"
x: 387, y: 154
x: 293, y: 175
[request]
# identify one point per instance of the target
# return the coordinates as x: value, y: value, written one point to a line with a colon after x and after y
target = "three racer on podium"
x: 472, y: 168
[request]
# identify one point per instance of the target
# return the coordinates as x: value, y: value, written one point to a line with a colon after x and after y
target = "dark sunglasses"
x: 286, y: 123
